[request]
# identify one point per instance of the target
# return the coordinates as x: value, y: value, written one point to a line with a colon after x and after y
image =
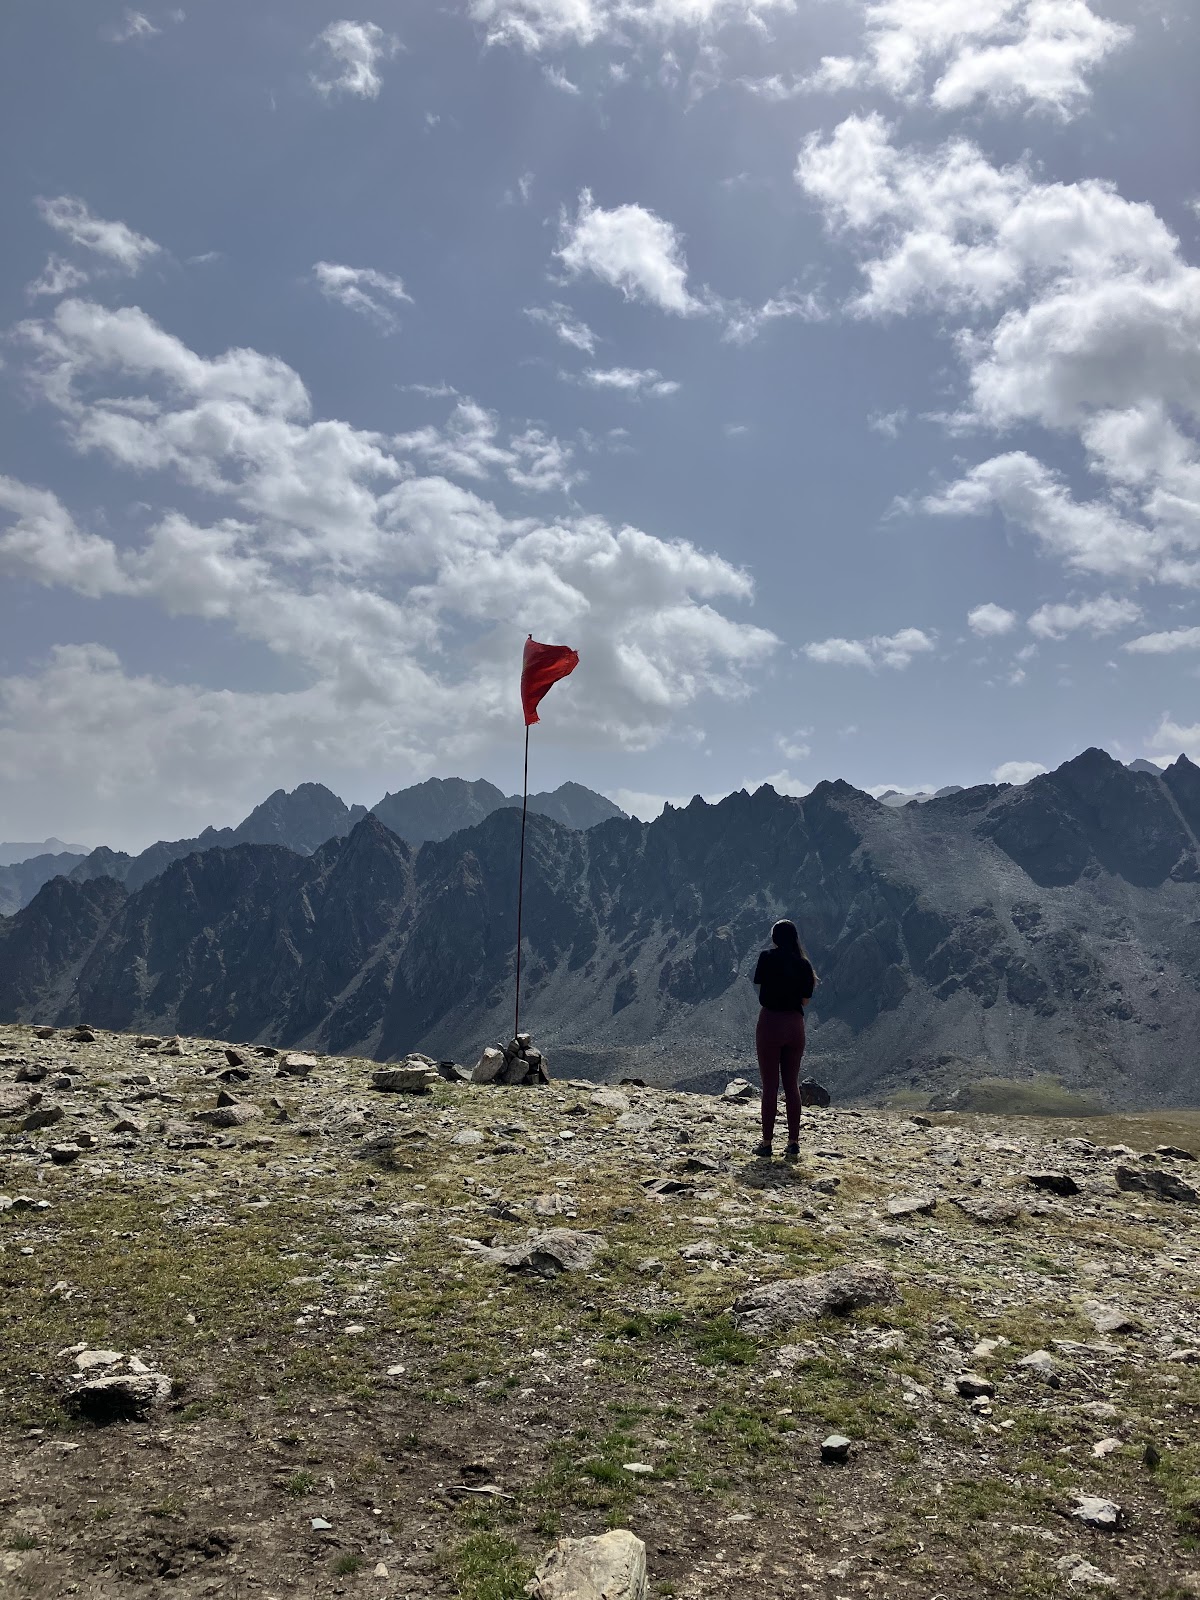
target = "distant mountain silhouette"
x: 996, y: 931
x: 441, y: 806
x: 11, y: 854
x: 303, y: 820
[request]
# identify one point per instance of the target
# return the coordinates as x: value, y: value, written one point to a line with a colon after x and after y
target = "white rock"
x: 1094, y: 1512
x: 608, y: 1566
x: 87, y: 1359
x: 490, y: 1063
x: 1077, y: 1571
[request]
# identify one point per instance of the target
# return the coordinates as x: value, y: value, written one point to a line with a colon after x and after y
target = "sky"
x: 827, y: 374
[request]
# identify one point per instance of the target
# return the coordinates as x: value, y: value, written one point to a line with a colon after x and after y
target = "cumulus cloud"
x: 954, y: 54
x: 1171, y: 737
x: 354, y: 52
x: 1079, y: 315
x: 397, y: 596
x: 115, y: 241
x: 1164, y: 644
x: 1088, y: 536
x: 537, y: 25
x: 1017, y: 772
x: 894, y: 650
x: 469, y: 446
x: 630, y: 248
x: 564, y: 325
x: 1105, y: 614
x: 633, y: 381
x: 363, y: 290
x: 41, y: 542
x: 990, y: 621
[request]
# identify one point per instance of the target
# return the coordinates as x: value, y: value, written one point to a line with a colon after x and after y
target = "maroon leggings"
x: 779, y: 1040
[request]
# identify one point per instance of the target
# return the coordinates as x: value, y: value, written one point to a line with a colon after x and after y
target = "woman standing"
x: 785, y: 981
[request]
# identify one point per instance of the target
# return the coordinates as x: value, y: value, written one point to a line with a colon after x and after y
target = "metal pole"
x: 521, y: 887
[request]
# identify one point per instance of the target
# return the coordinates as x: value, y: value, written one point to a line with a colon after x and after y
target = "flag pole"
x: 521, y: 885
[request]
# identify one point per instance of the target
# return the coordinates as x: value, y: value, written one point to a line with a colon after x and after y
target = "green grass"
x: 1041, y: 1096
x: 487, y: 1566
x: 345, y: 1565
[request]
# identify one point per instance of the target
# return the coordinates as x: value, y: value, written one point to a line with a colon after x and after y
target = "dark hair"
x: 786, y: 936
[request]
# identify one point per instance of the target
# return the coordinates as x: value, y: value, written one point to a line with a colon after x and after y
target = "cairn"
x: 518, y: 1062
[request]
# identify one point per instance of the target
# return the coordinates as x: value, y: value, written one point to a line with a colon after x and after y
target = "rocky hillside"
x: 270, y: 1330
x: 1051, y: 928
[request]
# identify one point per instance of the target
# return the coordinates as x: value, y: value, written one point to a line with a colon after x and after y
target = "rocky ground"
x: 328, y: 1339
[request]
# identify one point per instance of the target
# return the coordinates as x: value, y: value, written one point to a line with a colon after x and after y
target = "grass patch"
x: 486, y: 1566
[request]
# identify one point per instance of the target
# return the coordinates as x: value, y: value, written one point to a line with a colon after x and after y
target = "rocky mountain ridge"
x: 1050, y: 928
x: 301, y: 820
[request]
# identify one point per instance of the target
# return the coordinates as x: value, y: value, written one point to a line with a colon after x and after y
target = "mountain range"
x: 300, y: 820
x: 1053, y: 927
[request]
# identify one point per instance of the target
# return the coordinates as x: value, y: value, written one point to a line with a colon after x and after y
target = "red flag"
x: 542, y: 666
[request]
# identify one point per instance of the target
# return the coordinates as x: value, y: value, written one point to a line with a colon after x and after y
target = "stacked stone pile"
x: 518, y: 1062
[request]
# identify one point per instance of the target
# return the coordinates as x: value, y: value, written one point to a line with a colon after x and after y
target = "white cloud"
x: 1171, y: 738
x: 954, y: 230
x: 744, y: 323
x: 883, y: 650
x: 469, y: 447
x: 631, y: 249
x: 1080, y: 315
x: 888, y: 423
x: 1017, y: 772
x: 1089, y: 536
x: 557, y: 79
x: 794, y: 746
x: 59, y: 276
x: 42, y: 543
x: 113, y: 240
x: 954, y: 53
x: 1164, y: 644
x: 633, y: 381
x: 1102, y: 615
x: 397, y: 598
x: 362, y: 289
x: 990, y: 621
x: 566, y: 326
x: 536, y: 25
x: 133, y: 25
x: 355, y: 51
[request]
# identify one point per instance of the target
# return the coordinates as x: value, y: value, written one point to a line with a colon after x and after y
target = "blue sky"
x: 827, y: 374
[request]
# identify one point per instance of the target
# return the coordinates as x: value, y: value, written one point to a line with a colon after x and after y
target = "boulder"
x: 43, y: 1116
x: 835, y: 1450
x: 121, y: 1398
x: 606, y: 1566
x: 772, y: 1306
x: 549, y: 1254
x: 1094, y: 1512
x: 993, y: 1211
x: 912, y: 1205
x: 972, y: 1387
x: 408, y: 1077
x: 489, y: 1064
x: 739, y: 1089
x: 1152, y: 1180
x: 229, y: 1116
x: 295, y: 1064
x: 1060, y: 1183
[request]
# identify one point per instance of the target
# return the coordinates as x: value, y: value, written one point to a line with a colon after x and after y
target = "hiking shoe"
x: 792, y: 1152
x: 762, y: 1148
